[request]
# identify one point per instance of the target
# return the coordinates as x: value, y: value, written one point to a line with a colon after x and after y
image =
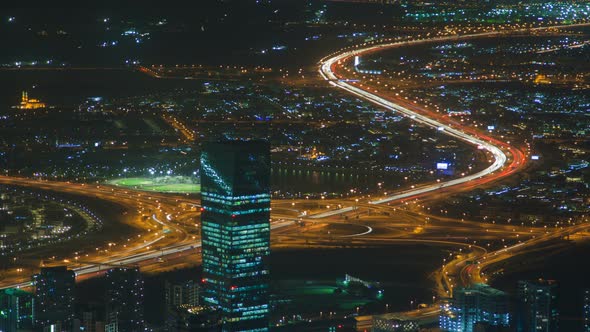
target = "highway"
x: 507, y: 160
x: 328, y: 70
x: 136, y: 258
x: 167, y: 222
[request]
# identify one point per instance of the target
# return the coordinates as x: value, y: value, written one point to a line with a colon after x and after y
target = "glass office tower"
x: 235, y: 232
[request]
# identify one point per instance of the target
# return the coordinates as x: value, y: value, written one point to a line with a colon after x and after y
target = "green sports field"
x: 181, y: 185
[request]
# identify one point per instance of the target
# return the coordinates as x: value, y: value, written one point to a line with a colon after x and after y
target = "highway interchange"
x: 166, y: 225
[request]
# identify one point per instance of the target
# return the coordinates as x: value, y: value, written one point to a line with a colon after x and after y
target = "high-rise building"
x: 479, y: 303
x: 235, y: 199
x: 54, y: 297
x: 191, y: 293
x: 182, y: 295
x: 16, y: 310
x: 537, y: 306
x: 8, y: 312
x: 99, y: 327
x: 124, y: 300
x: 91, y: 321
x: 88, y: 321
x: 587, y: 310
x: 172, y: 295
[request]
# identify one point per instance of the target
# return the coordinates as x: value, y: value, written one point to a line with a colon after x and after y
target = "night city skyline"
x: 295, y: 165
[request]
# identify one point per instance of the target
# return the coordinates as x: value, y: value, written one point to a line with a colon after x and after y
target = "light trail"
x: 368, y: 231
x: 326, y: 70
x: 444, y: 287
x: 158, y: 220
x: 138, y: 257
x: 500, y: 157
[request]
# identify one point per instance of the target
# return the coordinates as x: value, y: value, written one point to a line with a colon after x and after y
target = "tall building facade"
x: 235, y: 232
x: 16, y: 310
x: 8, y: 311
x: 54, y: 298
x: 587, y: 310
x: 479, y: 303
x: 537, y: 306
x: 172, y: 295
x: 88, y: 321
x: 124, y: 300
x: 186, y: 294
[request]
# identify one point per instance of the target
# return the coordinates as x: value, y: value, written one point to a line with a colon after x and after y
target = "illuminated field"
x: 177, y: 184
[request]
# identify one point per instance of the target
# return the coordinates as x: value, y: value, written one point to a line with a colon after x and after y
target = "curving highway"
x: 507, y: 160
x: 169, y: 226
x: 328, y: 70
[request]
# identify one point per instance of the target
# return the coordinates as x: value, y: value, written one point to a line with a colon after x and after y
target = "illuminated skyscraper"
x: 124, y: 300
x: 537, y: 307
x: 54, y: 298
x: 8, y: 311
x: 587, y: 310
x: 16, y: 310
x: 235, y: 231
x: 479, y: 303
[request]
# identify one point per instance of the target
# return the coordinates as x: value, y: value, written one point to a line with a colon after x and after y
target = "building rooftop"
x: 483, y: 289
x: 14, y: 292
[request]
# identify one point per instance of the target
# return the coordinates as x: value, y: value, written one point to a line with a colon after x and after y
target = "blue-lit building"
x: 235, y: 232
x: 537, y: 306
x: 587, y: 310
x: 479, y: 303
